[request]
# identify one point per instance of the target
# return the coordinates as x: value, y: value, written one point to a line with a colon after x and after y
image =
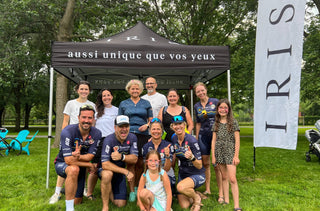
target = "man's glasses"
x: 150, y: 83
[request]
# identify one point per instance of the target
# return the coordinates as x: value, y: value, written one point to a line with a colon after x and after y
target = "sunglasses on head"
x: 87, y: 108
x: 177, y: 119
x: 155, y: 120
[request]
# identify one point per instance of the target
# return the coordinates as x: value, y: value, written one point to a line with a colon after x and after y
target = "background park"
x: 282, y: 179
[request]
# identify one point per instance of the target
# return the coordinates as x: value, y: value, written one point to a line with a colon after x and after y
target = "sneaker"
x: 132, y: 197
x: 135, y: 190
x: 54, y: 198
x: 85, y: 192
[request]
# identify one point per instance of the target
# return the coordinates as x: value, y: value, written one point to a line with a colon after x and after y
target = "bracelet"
x: 128, y: 173
x: 123, y: 157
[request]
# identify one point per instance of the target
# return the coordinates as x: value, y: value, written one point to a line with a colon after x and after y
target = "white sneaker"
x: 54, y: 198
x: 85, y: 192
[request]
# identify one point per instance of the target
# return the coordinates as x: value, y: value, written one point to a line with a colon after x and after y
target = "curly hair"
x: 134, y: 82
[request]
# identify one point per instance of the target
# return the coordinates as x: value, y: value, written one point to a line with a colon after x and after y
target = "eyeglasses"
x: 150, y: 83
x: 155, y: 120
x: 153, y: 161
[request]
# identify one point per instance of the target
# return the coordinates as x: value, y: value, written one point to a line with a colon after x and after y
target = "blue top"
x: 110, y: 143
x: 186, y: 167
x: 163, y: 144
x: 70, y: 136
x: 138, y: 113
x: 206, y: 115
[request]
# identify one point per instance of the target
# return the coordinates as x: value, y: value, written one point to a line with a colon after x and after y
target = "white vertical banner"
x: 277, y: 72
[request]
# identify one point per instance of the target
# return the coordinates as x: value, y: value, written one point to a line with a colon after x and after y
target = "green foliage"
x: 310, y: 86
x: 282, y: 180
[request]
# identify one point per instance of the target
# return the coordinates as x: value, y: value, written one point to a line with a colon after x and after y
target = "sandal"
x: 206, y: 193
x: 237, y: 209
x: 91, y: 197
x: 196, y: 206
x: 202, y: 196
x: 221, y: 200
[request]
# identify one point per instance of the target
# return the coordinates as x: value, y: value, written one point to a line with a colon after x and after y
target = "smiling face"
x: 173, y: 97
x: 223, y: 110
x: 156, y: 131
x: 106, y: 98
x: 178, y: 128
x: 86, y: 118
x: 151, y: 85
x: 201, y: 92
x: 121, y: 132
x: 134, y: 91
x: 153, y: 162
x: 83, y: 91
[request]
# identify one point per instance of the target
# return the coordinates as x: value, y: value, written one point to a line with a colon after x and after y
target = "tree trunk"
x: 64, y: 34
x: 1, y: 116
x: 27, y: 109
x: 17, y: 107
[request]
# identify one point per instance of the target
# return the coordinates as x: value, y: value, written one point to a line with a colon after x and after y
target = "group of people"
x: 140, y: 143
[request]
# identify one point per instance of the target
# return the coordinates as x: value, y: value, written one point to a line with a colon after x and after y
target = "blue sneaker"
x: 132, y: 197
x: 135, y: 190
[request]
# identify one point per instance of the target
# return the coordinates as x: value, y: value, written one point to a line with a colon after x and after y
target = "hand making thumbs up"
x: 167, y: 150
x: 188, y: 154
x: 116, y: 155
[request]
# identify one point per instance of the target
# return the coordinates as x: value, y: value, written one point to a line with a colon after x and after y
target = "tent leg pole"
x: 229, y: 85
x: 254, y: 158
x: 49, y: 125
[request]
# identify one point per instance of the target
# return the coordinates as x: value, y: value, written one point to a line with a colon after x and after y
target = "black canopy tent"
x: 138, y: 53
x: 135, y: 53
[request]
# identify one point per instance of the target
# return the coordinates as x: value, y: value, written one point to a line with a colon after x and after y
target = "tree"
x: 26, y: 30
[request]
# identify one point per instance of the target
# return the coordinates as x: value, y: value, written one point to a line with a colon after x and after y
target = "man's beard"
x: 150, y: 90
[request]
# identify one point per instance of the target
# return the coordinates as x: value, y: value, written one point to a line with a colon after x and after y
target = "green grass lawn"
x: 282, y: 180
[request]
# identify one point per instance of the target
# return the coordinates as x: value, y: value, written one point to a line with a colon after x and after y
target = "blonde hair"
x: 134, y: 82
x: 199, y: 84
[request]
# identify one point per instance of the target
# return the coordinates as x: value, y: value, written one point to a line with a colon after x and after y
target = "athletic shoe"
x: 132, y: 197
x: 54, y: 198
x: 85, y: 192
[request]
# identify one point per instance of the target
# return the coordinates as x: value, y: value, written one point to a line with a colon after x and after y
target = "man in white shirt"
x: 156, y: 99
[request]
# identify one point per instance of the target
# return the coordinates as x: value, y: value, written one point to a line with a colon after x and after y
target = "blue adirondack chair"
x: 3, y: 144
x: 16, y: 143
x: 25, y: 147
x: 3, y: 132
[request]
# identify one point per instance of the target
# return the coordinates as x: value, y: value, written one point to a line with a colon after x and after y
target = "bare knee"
x: 120, y: 203
x: 144, y: 193
x: 72, y: 170
x: 106, y: 176
x: 180, y: 187
x: 233, y: 180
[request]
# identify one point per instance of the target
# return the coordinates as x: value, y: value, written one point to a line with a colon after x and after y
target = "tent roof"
x: 138, y: 53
